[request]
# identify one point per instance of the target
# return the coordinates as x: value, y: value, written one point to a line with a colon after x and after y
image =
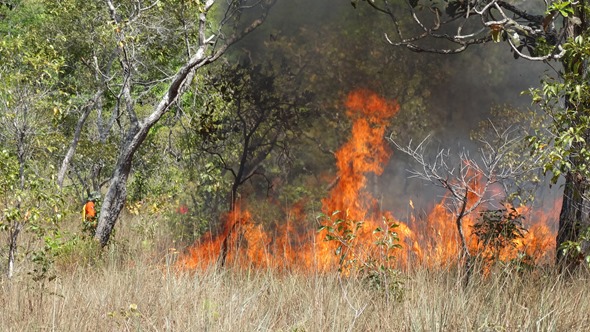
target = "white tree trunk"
x: 12, y: 246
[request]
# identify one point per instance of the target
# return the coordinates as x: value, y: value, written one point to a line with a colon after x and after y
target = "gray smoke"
x: 465, y: 88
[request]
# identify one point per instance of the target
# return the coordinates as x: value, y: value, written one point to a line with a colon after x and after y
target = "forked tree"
x: 139, y: 76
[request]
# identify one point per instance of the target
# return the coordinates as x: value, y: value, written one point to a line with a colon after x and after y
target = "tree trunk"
x: 115, y: 198
x: 70, y: 154
x: 12, y: 246
x: 464, y: 255
x: 229, y: 229
x: 571, y: 218
x: 573, y: 215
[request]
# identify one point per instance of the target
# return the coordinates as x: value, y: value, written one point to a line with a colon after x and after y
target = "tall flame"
x: 365, y: 152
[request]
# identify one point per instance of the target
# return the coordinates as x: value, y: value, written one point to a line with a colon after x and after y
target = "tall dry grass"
x: 132, y: 286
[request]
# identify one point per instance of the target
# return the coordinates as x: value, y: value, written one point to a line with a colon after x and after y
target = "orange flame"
x: 365, y: 152
x: 433, y: 241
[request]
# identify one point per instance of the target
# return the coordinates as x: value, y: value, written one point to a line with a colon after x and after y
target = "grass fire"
x: 347, y: 235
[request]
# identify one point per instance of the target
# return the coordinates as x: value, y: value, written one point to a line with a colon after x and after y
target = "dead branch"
x: 452, y: 26
x: 469, y: 181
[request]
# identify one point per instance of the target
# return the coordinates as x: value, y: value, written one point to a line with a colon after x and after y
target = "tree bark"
x: 464, y: 255
x: 573, y: 215
x: 116, y: 195
x: 12, y: 247
x: 72, y: 149
x: 571, y: 218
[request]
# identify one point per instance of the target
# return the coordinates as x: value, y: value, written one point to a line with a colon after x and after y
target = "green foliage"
x: 156, y: 173
x: 373, y: 262
x: 564, y: 146
x: 564, y: 8
x: 150, y: 218
x: 522, y: 263
x: 70, y: 250
x: 128, y: 318
x: 44, y: 258
x: 34, y: 206
x: 498, y: 229
x: 8, y: 170
x: 239, y: 130
x: 578, y: 250
x: 91, y: 42
x: 344, y: 233
x: 26, y: 57
x: 29, y: 75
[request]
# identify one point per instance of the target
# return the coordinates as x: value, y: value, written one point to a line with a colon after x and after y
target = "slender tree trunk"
x: 12, y: 246
x: 230, y: 228
x: 464, y: 255
x: 72, y: 149
x: 17, y: 226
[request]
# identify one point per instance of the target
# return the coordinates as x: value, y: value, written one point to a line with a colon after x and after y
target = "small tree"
x: 264, y: 113
x: 28, y: 79
x: 497, y: 229
x: 471, y: 183
x: 374, y: 262
x: 256, y: 113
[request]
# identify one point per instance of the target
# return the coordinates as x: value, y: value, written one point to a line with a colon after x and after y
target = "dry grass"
x: 131, y: 288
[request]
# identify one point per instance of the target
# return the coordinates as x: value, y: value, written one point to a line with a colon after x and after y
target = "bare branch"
x: 469, y: 185
x: 487, y: 20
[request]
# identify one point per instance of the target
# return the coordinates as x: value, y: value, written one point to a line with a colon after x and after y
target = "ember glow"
x: 296, y: 245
